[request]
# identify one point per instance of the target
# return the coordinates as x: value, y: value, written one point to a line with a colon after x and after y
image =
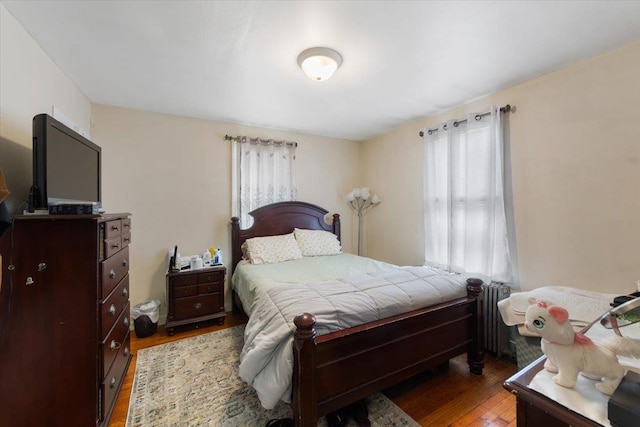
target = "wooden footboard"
x: 336, y: 369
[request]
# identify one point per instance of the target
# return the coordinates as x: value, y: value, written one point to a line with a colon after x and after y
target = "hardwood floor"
x: 450, y: 397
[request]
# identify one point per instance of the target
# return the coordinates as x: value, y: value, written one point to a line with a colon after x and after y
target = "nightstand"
x: 195, y: 296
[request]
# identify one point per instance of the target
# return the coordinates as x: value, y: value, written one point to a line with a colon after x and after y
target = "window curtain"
x: 264, y: 173
x: 465, y: 222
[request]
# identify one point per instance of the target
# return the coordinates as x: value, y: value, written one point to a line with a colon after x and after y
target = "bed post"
x: 236, y: 256
x: 475, y: 355
x: 305, y: 398
x: 336, y: 225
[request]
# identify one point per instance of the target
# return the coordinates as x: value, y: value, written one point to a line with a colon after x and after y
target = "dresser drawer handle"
x: 125, y: 262
x: 112, y: 274
x: 126, y: 239
x: 125, y: 292
x: 113, y: 382
x: 126, y: 321
x: 126, y: 352
x: 197, y: 306
x: 114, y: 227
x: 112, y: 310
x: 115, y: 246
x: 114, y: 345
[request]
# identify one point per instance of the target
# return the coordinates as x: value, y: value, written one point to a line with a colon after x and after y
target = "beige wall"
x: 30, y: 84
x: 575, y: 160
x: 174, y: 175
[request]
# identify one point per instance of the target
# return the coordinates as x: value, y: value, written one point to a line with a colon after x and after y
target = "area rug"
x: 194, y: 382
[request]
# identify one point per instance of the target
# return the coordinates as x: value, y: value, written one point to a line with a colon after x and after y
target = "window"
x: 465, y: 222
x: 263, y: 173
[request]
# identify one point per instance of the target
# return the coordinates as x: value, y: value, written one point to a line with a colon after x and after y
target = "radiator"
x: 496, y: 333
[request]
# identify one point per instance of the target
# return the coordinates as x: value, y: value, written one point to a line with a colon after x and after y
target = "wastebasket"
x: 145, y: 318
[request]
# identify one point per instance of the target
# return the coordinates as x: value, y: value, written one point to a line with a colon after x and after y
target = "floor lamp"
x: 361, y: 201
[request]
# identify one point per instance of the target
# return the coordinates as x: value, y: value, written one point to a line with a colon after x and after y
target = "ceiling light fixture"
x: 319, y: 63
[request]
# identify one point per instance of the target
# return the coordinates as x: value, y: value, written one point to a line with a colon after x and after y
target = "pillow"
x: 271, y: 249
x: 317, y: 242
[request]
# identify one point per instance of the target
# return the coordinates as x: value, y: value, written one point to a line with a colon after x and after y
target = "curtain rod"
x: 504, y: 109
x: 258, y: 140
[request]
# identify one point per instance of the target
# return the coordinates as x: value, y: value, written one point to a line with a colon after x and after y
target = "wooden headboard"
x: 280, y: 218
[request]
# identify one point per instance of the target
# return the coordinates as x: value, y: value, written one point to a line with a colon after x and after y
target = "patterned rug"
x: 194, y: 382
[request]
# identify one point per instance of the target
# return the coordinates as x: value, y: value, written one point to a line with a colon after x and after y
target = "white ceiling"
x: 236, y: 60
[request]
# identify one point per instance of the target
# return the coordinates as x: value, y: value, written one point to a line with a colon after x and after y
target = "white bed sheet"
x: 250, y: 281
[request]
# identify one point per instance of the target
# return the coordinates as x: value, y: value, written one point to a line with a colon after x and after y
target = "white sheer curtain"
x: 264, y: 173
x: 465, y: 223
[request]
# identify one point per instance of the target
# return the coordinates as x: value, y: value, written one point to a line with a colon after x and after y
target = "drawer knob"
x: 114, y: 227
x: 114, y: 345
x: 113, y: 382
x: 197, y: 306
x: 115, y: 246
x: 125, y: 262
x: 125, y: 292
x: 112, y: 274
x: 112, y: 310
x: 126, y: 321
x: 126, y: 352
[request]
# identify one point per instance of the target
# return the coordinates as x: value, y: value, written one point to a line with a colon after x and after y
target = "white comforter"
x: 266, y: 362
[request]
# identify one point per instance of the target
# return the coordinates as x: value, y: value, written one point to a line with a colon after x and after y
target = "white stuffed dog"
x: 569, y: 352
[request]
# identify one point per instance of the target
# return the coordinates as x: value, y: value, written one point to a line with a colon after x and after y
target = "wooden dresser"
x: 64, y: 323
x: 195, y: 296
x: 535, y: 409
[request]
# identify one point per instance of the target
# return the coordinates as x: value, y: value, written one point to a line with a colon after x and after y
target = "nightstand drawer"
x: 209, y: 288
x: 185, y: 291
x: 201, y: 305
x: 185, y: 280
x: 214, y: 276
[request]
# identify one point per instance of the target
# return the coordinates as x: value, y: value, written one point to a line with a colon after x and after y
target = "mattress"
x: 250, y: 281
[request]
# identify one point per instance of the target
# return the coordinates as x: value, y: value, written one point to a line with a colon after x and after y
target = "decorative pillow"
x: 271, y: 249
x: 317, y: 242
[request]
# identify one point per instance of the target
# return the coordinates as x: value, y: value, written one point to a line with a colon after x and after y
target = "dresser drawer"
x: 113, y: 305
x: 209, y: 288
x: 112, y: 246
x: 114, y: 377
x: 126, y: 239
x: 111, y: 345
x: 112, y: 229
x: 113, y: 271
x: 200, y: 305
x: 126, y: 225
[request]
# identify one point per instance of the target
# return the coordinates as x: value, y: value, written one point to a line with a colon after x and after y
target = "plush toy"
x: 570, y: 353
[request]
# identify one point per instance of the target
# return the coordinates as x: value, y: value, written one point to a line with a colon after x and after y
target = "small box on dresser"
x: 195, y: 296
x: 65, y: 347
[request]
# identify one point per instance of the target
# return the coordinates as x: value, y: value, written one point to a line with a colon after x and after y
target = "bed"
x: 334, y: 369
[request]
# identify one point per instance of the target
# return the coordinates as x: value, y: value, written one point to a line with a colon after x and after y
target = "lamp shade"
x: 319, y: 63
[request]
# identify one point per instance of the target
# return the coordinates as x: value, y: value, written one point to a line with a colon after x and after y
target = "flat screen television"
x: 66, y: 165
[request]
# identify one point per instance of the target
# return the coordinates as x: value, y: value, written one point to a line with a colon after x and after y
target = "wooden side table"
x: 535, y: 409
x: 195, y: 296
